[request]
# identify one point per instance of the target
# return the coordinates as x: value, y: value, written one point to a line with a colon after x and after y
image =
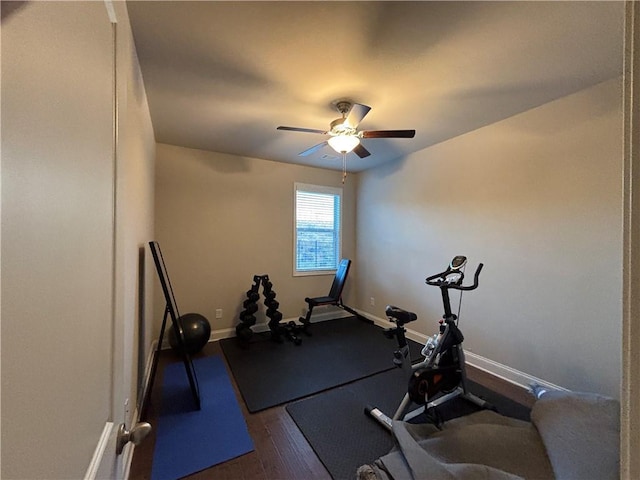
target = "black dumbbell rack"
x: 278, y: 330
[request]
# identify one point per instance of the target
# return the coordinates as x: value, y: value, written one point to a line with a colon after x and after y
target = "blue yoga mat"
x: 189, y: 440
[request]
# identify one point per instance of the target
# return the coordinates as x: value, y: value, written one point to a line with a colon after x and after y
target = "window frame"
x: 322, y: 189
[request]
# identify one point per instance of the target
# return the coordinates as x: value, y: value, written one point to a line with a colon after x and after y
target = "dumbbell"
x: 269, y: 296
x: 247, y: 319
x: 252, y: 296
x: 250, y: 307
x: 274, y: 315
x: 272, y: 305
x: 244, y: 332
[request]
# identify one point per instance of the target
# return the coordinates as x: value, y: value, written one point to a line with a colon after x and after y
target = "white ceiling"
x: 221, y: 76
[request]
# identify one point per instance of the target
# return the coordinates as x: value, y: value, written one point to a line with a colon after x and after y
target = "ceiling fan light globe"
x: 343, y: 143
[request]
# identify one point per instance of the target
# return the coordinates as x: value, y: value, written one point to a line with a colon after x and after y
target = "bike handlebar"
x: 438, y: 280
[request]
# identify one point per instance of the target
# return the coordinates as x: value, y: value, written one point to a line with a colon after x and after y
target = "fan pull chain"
x: 344, y: 167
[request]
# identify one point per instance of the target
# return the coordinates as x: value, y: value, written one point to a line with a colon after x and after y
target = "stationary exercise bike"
x: 442, y: 372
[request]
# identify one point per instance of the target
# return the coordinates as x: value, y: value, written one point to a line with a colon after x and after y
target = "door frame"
x: 630, y: 385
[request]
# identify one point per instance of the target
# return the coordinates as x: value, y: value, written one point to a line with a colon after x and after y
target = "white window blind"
x: 317, y: 228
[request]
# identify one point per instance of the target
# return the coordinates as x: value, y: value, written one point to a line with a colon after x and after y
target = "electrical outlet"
x: 372, y: 301
x: 218, y: 313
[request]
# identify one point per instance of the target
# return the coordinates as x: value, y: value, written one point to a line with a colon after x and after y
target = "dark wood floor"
x: 281, y: 451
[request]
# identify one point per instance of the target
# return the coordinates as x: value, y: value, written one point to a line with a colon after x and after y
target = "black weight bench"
x: 334, y: 298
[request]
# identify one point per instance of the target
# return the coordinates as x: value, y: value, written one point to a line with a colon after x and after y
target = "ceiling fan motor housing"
x: 343, y: 107
x: 339, y: 128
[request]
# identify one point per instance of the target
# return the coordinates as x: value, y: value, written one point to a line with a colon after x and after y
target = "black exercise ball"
x: 196, y: 331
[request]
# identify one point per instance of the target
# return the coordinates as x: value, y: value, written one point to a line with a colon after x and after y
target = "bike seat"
x: 401, y: 316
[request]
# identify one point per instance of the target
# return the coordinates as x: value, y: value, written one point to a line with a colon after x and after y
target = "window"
x: 317, y: 232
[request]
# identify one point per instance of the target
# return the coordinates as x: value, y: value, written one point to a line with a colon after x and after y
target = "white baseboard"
x: 264, y: 327
x: 98, y: 453
x: 511, y: 375
x: 508, y: 374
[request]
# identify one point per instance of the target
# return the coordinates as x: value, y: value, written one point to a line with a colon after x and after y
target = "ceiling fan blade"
x: 361, y: 151
x: 305, y: 130
x: 388, y: 134
x: 313, y: 149
x: 356, y: 114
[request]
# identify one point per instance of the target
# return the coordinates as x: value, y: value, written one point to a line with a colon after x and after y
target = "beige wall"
x: 57, y: 202
x: 538, y: 199
x: 135, y: 217
x: 67, y: 361
x: 221, y: 219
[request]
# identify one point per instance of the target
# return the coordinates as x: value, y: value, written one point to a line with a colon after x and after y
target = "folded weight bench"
x: 334, y: 297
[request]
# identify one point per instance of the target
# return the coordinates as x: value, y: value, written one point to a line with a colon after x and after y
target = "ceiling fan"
x: 344, y: 136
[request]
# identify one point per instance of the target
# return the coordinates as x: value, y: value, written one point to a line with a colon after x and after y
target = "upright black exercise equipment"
x: 247, y: 316
x: 171, y: 310
x: 442, y: 372
x: 334, y: 297
x: 278, y: 331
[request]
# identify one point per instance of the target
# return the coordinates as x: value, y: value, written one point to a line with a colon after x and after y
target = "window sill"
x: 313, y: 273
